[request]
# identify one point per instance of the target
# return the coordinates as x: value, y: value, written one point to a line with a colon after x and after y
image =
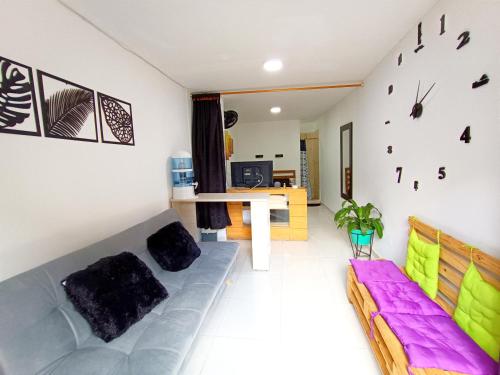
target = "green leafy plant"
x: 364, y: 218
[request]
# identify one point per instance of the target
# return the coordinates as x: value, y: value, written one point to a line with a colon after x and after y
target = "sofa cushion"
x: 422, y: 264
x: 114, y: 293
x: 433, y: 341
x: 377, y: 270
x: 404, y: 298
x: 173, y: 247
x: 478, y: 311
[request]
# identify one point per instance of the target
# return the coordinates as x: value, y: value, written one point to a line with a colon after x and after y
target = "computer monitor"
x: 252, y: 173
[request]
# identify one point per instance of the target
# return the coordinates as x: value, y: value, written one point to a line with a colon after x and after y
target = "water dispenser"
x: 182, y: 175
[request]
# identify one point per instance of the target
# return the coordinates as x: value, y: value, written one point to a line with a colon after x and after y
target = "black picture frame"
x: 103, y: 121
x: 34, y: 106
x: 346, y: 193
x: 43, y: 104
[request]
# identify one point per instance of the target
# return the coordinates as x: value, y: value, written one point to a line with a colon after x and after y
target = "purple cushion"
x: 377, y: 270
x: 404, y: 298
x: 438, y: 342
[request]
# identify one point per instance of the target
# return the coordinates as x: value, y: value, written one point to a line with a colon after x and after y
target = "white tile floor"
x: 294, y: 319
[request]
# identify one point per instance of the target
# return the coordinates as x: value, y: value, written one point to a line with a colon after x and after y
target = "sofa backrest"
x: 454, y: 259
x: 38, y: 324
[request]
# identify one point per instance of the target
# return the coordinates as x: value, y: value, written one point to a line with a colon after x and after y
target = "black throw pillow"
x: 173, y: 247
x: 114, y: 293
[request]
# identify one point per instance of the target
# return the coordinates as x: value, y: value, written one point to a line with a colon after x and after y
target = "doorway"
x: 311, y: 179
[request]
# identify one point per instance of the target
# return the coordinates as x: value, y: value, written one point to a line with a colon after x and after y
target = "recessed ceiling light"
x: 276, y: 110
x: 273, y: 65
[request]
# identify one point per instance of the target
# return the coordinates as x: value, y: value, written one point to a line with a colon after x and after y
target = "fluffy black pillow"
x: 173, y: 247
x: 114, y: 293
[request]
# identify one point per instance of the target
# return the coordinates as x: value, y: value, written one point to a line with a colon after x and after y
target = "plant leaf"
x: 67, y: 111
x: 359, y: 212
x: 364, y: 227
x: 341, y: 214
x: 351, y: 226
x: 15, y: 95
x: 367, y: 210
x: 379, y: 228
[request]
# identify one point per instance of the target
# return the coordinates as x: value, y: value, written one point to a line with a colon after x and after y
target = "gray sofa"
x: 41, y: 333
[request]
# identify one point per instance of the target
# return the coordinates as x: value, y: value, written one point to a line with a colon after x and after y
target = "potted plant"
x: 361, y: 221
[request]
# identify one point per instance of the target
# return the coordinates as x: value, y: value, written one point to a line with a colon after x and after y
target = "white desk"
x: 260, y: 216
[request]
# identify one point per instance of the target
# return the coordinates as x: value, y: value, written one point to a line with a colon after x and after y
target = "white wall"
x: 329, y: 150
x: 466, y: 203
x: 308, y: 126
x: 59, y: 195
x: 268, y: 139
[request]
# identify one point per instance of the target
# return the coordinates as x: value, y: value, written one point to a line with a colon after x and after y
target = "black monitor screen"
x: 252, y: 173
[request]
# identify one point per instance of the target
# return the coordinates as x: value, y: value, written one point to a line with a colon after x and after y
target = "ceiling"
x: 295, y: 105
x: 217, y: 45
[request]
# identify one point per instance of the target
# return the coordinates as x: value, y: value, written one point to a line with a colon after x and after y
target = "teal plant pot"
x: 361, y: 239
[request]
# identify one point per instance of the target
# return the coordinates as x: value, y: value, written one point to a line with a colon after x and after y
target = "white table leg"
x: 261, y: 235
x: 187, y: 213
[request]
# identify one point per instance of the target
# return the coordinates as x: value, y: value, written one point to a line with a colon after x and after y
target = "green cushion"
x: 478, y: 311
x: 422, y: 264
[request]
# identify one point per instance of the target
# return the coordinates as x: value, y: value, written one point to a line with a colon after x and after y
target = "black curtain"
x: 209, y: 160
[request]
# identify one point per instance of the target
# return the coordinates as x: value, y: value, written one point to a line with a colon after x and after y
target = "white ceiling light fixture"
x: 273, y: 65
x: 275, y: 110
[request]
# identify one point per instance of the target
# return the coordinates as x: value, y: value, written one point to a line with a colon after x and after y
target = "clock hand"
x: 416, y: 100
x: 428, y: 92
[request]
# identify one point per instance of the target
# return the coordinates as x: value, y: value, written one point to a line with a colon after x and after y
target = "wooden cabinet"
x: 298, y: 222
x: 295, y: 229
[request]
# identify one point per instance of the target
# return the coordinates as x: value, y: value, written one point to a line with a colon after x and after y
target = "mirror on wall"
x: 346, y: 161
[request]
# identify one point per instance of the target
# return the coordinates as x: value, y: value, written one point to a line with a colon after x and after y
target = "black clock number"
x: 415, y: 185
x: 443, y: 21
x: 400, y: 59
x: 465, y: 137
x: 400, y: 171
x: 465, y: 36
x: 390, y: 89
x: 481, y: 82
x: 442, y: 173
x: 419, y: 38
x: 389, y: 149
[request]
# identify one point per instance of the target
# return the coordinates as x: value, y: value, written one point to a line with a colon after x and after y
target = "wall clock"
x: 417, y: 105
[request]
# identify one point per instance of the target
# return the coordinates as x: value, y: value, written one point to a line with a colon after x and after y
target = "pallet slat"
x: 445, y: 305
x: 448, y: 291
x: 450, y: 274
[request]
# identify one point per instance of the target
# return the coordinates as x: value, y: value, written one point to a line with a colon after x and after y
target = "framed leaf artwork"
x: 18, y: 108
x: 68, y: 109
x: 115, y: 117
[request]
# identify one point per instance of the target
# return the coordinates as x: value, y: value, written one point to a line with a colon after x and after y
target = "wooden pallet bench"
x: 453, y: 263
